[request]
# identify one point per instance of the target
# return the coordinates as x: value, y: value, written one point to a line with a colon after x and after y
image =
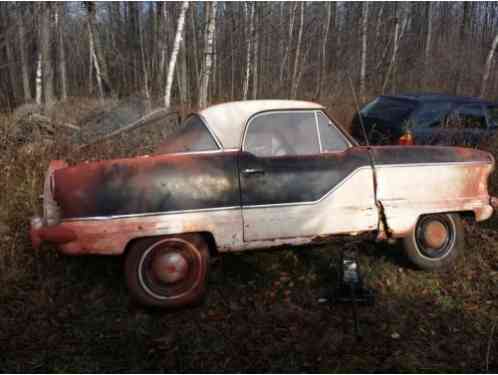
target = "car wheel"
x: 436, y: 241
x: 167, y: 272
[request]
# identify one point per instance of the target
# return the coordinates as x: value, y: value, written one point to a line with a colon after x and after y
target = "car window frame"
x: 339, y: 130
x: 317, y: 130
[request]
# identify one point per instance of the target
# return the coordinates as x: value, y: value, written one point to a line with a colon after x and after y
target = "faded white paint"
x: 408, y: 191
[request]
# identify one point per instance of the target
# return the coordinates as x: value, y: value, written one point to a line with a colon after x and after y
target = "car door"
x: 300, y: 177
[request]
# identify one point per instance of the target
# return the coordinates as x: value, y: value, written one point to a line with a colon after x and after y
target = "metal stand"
x: 350, y: 289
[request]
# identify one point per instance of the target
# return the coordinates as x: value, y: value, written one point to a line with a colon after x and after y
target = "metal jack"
x: 350, y: 289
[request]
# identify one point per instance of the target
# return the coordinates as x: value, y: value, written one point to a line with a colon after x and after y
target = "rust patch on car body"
x: 148, y: 184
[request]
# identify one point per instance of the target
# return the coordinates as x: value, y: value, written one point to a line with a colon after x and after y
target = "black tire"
x: 167, y: 272
x: 436, y: 241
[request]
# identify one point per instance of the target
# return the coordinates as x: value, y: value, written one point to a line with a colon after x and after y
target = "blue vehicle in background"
x: 427, y: 119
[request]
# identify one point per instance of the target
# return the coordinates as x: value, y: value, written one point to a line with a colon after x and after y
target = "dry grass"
x: 62, y: 314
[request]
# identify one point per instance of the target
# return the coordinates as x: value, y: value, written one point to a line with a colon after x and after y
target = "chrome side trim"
x: 318, y: 132
x: 453, y: 163
x: 218, y: 151
x: 160, y: 213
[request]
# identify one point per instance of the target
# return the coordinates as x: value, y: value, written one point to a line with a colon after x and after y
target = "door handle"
x: 253, y: 171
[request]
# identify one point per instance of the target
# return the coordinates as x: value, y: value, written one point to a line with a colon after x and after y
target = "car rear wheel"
x: 167, y: 272
x: 436, y: 241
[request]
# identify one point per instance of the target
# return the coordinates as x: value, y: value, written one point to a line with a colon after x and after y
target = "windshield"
x: 388, y: 109
x: 193, y: 136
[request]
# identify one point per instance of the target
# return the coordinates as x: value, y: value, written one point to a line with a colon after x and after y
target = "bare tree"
x: 462, y: 48
x: 295, y: 74
x: 323, y: 51
x: 59, y: 22
x: 364, y: 37
x: 428, y: 39
x: 163, y: 44
x: 39, y: 79
x: 258, y: 49
x: 174, y: 54
x: 144, y: 59
x: 22, y: 51
x: 285, y: 57
x: 46, y: 52
x: 255, y: 60
x: 92, y: 47
x: 208, y: 55
x: 399, y: 31
x: 249, y: 18
x: 487, y: 67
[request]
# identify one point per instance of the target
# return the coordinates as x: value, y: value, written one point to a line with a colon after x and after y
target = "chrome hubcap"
x: 170, y: 267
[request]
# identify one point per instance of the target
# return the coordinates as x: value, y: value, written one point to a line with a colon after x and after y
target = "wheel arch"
x: 208, y: 237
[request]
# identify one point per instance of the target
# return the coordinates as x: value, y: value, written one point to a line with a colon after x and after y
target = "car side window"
x: 469, y: 116
x: 282, y: 134
x: 493, y: 115
x: 331, y: 138
x: 193, y: 136
x: 430, y: 114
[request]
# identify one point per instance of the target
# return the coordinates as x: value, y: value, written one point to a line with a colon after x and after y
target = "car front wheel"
x: 167, y: 272
x: 436, y: 241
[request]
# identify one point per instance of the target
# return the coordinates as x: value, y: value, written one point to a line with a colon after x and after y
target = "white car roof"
x: 228, y: 120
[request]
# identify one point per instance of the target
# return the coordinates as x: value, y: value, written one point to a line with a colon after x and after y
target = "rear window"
x: 193, y: 136
x: 388, y: 109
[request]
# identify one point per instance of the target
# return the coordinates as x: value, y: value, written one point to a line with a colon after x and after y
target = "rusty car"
x: 252, y: 175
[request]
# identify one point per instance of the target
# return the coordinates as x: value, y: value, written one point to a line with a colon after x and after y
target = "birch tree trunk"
x: 163, y: 45
x: 22, y: 51
x: 208, y: 56
x: 93, y: 54
x: 59, y: 18
x: 462, y: 49
x: 295, y: 81
x: 428, y: 39
x: 487, y: 67
x: 364, y: 37
x: 174, y: 54
x: 285, y: 58
x: 197, y: 77
x: 399, y: 31
x: 323, y: 54
x: 255, y: 55
x: 144, y: 63
x: 39, y: 80
x: 249, y: 33
x: 46, y: 44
